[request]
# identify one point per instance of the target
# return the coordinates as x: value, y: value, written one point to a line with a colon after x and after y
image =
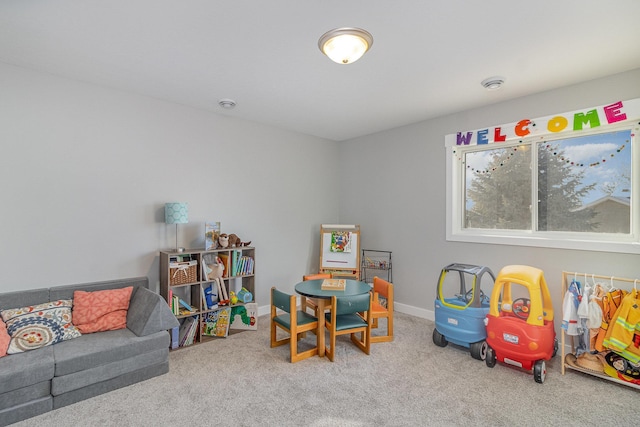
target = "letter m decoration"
x: 591, y: 117
x: 462, y: 139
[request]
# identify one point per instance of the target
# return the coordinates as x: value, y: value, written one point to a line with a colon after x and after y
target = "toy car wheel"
x: 490, y: 359
x: 539, y: 371
x: 439, y: 339
x: 555, y: 347
x: 479, y: 350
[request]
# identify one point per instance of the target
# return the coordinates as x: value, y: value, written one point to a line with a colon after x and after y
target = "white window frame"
x: 601, y: 242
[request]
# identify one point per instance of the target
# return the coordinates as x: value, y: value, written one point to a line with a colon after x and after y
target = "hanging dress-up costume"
x: 623, y: 335
x: 610, y: 303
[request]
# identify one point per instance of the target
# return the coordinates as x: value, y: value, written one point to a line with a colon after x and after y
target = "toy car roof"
x: 476, y: 270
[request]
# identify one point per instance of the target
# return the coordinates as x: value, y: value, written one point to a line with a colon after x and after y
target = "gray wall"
x: 85, y: 172
x: 396, y: 192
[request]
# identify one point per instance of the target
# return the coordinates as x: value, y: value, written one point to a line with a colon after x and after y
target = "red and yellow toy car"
x: 520, y: 331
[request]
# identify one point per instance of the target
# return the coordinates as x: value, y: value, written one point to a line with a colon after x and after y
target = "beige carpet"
x: 240, y: 381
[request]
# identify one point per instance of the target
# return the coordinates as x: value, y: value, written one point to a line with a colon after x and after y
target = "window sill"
x: 555, y: 242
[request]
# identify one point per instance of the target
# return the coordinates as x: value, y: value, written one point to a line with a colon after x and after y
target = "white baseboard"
x: 415, y: 311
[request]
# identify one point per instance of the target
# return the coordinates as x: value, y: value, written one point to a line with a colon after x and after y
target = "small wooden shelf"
x: 192, y: 292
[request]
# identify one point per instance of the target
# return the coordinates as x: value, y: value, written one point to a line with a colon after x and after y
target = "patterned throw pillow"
x: 101, y: 310
x: 4, y: 339
x: 39, y: 325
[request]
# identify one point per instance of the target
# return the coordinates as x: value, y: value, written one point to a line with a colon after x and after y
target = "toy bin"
x: 461, y: 307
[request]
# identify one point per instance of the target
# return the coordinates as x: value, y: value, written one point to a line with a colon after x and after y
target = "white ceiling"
x: 427, y: 60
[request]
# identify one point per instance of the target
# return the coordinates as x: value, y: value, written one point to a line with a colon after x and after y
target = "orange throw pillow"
x: 101, y: 310
x: 4, y: 339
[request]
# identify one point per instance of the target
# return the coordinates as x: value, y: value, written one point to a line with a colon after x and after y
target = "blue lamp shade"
x: 176, y: 213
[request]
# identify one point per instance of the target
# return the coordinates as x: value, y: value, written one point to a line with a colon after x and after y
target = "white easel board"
x: 340, y: 249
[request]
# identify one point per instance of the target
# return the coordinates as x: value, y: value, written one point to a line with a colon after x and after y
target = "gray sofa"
x: 51, y: 377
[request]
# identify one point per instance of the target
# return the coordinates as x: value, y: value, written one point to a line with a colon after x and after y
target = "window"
x: 571, y: 191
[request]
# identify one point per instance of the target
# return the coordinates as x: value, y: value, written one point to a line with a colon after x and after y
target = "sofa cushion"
x: 40, y: 325
x: 23, y: 395
x: 104, y: 310
x: 4, y: 339
x: 149, y: 313
x: 66, y: 291
x: 25, y: 369
x: 96, y: 389
x: 26, y: 410
x: 93, y: 350
x: 99, y: 373
x: 24, y: 298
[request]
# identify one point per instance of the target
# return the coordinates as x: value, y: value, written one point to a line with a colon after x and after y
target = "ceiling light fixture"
x: 493, y: 83
x: 227, y: 104
x: 345, y: 45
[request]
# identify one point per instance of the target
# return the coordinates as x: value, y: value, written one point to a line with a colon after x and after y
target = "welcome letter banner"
x: 592, y: 118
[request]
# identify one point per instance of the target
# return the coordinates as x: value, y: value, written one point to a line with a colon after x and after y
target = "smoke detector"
x: 493, y: 83
x: 226, y: 103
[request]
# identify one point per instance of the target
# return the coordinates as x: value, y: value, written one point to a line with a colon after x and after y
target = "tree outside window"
x: 582, y: 185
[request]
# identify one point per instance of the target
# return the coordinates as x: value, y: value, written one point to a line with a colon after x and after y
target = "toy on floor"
x: 461, y: 307
x: 520, y: 331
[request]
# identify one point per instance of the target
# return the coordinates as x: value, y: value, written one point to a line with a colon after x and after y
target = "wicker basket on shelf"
x: 181, y: 273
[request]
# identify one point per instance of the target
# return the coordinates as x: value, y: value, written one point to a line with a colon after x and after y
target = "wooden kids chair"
x: 309, y: 303
x: 286, y: 316
x: 349, y: 315
x: 382, y: 288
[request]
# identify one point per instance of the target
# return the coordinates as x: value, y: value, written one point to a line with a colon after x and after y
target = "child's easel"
x: 340, y: 250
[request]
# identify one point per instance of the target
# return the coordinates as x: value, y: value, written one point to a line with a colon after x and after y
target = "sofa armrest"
x: 148, y: 313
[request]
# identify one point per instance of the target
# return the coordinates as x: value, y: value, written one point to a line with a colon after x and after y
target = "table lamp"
x: 176, y: 213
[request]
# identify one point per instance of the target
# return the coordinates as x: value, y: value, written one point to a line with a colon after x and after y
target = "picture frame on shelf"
x: 211, y: 234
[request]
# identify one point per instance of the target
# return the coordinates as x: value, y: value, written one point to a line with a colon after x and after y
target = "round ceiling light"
x: 226, y: 103
x: 345, y: 45
x: 493, y: 83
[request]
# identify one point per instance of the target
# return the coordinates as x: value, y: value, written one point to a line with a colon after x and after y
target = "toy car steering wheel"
x: 469, y: 296
x: 520, y: 307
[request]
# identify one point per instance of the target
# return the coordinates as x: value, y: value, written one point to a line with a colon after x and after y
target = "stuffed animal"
x: 233, y: 297
x: 234, y: 240
x: 223, y: 240
x: 215, y: 271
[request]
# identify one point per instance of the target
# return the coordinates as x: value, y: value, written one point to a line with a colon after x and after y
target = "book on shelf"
x: 216, y: 323
x: 248, y: 267
x: 225, y: 263
x: 175, y: 305
x: 186, y: 333
x: 203, y: 299
x: 193, y: 331
x: 175, y: 337
x: 185, y: 309
x: 184, y: 304
x: 333, y: 284
x: 244, y: 317
x: 234, y: 263
x: 211, y: 234
x: 245, y: 266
